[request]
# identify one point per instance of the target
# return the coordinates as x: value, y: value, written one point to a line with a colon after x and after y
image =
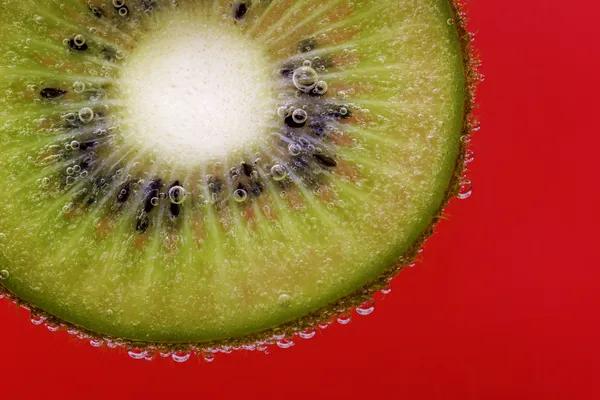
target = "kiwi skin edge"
x: 472, y: 77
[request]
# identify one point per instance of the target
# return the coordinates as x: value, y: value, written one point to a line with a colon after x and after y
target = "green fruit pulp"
x: 399, y: 64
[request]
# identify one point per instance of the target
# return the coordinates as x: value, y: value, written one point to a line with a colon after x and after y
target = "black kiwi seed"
x: 152, y: 191
x: 109, y: 54
x: 306, y: 45
x: 256, y: 188
x: 289, y: 121
x: 247, y: 169
x: 51, y: 93
x: 240, y: 11
x: 74, y: 45
x: 88, y: 145
x: 98, y: 13
x: 142, y: 223
x: 325, y: 160
x: 124, y: 193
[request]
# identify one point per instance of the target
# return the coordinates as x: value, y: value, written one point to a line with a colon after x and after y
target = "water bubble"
x: 86, y: 115
x: 240, y: 195
x: 294, y: 149
x: 308, y: 333
x: 38, y: 319
x: 52, y: 327
x: 177, y: 194
x: 4, y: 274
x: 72, y: 331
x: 343, y: 111
x: 278, y: 172
x: 78, y: 87
x: 181, y: 356
x: 137, y: 354
x: 344, y: 318
x: 366, y: 308
x: 465, y: 190
x: 299, y: 116
x: 386, y: 290
x: 45, y: 181
x: 307, y: 63
x: 285, y: 300
x: 150, y: 356
x: 83, y: 174
x: 305, y: 79
x: 208, y: 356
x: 321, y: 88
x: 282, y: 111
x: 123, y: 11
x: 285, y: 343
x: 324, y: 325
x: 469, y: 156
x: 154, y: 201
x: 96, y: 342
x: 79, y: 40
x: 75, y: 144
x: 70, y: 170
x: 111, y: 344
x: 77, y: 168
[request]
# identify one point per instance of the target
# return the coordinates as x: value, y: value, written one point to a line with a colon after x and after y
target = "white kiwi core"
x: 195, y: 92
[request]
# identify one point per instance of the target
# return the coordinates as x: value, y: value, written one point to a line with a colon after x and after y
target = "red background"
x: 506, y: 303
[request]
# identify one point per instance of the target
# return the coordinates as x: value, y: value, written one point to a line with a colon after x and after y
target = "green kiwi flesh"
x: 129, y: 240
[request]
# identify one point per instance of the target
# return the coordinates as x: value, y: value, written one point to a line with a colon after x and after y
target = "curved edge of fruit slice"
x: 472, y: 77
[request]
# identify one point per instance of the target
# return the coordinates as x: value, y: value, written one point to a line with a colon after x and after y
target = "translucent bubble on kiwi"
x: 299, y: 116
x: 177, y: 194
x: 278, y: 172
x: 240, y: 195
x: 4, y: 274
x: 75, y: 144
x: 305, y: 78
x: 79, y: 40
x: 86, y: 115
x: 285, y: 300
x: 294, y: 149
x: 154, y: 201
x: 123, y: 11
x: 282, y: 111
x: 118, y: 3
x: 78, y: 87
x: 321, y: 88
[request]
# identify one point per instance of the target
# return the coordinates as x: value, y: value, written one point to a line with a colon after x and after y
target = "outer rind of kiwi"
x: 472, y: 77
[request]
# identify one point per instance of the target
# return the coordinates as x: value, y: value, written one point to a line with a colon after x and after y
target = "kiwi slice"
x: 213, y: 172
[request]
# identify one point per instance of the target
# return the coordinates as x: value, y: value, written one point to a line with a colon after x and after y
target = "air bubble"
x: 154, y: 201
x: 120, y: 54
x: 137, y: 354
x: 282, y: 111
x: 181, y: 356
x: 278, y: 172
x: 118, y: 3
x: 305, y: 79
x: 78, y: 87
x: 83, y: 174
x: 52, y: 327
x: 308, y: 333
x: 465, y: 190
x: 77, y: 169
x: 386, y: 290
x: 208, y: 356
x: 344, y: 319
x: 45, y: 181
x: 70, y: 171
x: 86, y: 115
x: 123, y: 11
x: 79, y: 40
x: 285, y: 343
x: 240, y: 195
x: 343, y: 111
x: 74, y: 144
x: 469, y: 156
x: 294, y: 149
x: 96, y: 342
x: 285, y: 300
x: 38, y: 319
x: 307, y: 63
x: 366, y: 308
x: 299, y: 116
x: 177, y: 194
x: 321, y: 88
